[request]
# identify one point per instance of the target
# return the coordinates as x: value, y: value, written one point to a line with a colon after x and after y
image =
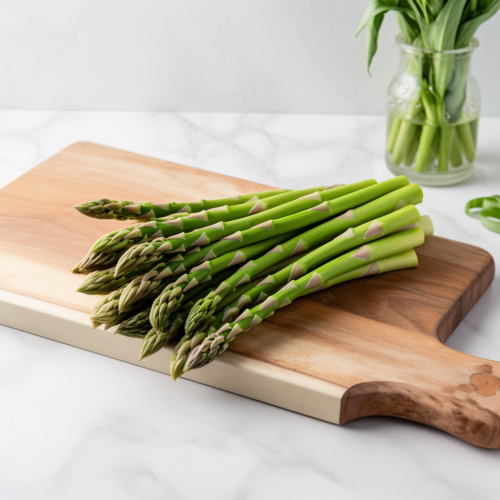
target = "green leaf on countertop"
x: 487, y: 210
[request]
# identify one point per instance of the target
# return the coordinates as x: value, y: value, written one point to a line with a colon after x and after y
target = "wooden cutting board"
x: 369, y: 347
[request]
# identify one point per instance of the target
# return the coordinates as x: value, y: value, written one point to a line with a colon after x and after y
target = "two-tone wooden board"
x: 369, y: 347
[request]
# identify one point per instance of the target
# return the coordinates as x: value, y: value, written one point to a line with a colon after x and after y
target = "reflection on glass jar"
x: 432, y: 116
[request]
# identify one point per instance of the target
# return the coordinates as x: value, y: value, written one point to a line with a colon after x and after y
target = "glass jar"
x: 432, y: 116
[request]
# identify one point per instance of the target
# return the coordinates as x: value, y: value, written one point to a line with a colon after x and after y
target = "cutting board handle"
x: 462, y: 397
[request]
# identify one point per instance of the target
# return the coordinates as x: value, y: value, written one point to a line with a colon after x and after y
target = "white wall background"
x: 205, y: 55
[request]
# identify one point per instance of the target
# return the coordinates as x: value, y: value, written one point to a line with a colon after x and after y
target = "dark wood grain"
x: 378, y: 339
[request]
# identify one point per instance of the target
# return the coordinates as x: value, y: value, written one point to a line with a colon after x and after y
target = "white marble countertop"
x: 75, y: 425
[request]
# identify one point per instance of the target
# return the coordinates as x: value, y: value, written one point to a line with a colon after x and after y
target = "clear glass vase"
x: 432, y: 116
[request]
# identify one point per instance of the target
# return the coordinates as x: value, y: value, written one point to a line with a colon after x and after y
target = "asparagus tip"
x: 147, y: 347
x: 103, y: 208
x: 177, y: 369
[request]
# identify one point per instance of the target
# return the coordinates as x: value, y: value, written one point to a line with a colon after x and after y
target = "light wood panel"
x: 368, y: 347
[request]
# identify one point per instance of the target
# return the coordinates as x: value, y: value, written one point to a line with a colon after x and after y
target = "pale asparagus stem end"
x: 425, y: 223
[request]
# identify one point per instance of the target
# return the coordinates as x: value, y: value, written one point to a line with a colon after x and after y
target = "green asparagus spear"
x: 141, y: 254
x: 202, y: 237
x: 104, y: 282
x: 96, y: 262
x: 429, y: 130
x: 154, y: 341
x: 172, y: 298
x: 186, y: 346
x: 136, y: 326
x: 406, y: 132
x: 467, y: 141
x: 403, y: 260
x: 106, y: 310
x: 127, y: 237
x: 319, y: 235
x: 394, y: 222
x: 125, y: 210
x: 201, y: 350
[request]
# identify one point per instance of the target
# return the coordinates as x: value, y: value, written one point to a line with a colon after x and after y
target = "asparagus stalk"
x: 154, y: 341
x: 474, y: 125
x: 456, y: 153
x: 104, y: 282
x: 393, y: 135
x: 176, y: 265
x: 411, y: 194
x: 101, y: 283
x: 429, y: 130
x: 392, y: 195
x: 231, y: 308
x: 126, y: 237
x: 143, y: 284
x: 445, y: 145
x: 141, y: 254
x: 201, y: 350
x: 406, y: 133
x: 403, y: 260
x: 411, y: 151
x: 107, y: 311
x: 467, y: 141
x: 138, y: 325
x: 185, y: 353
x: 144, y: 258
x: 169, y: 300
x: 397, y: 221
x: 172, y: 298
x: 167, y: 218
x: 235, y: 295
x: 125, y: 210
x: 201, y: 237
x: 139, y: 289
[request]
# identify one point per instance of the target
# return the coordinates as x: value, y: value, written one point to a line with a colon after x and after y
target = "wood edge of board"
x: 460, y: 416
x: 232, y: 372
x: 468, y: 299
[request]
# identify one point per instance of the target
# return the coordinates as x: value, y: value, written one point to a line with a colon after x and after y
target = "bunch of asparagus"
x: 208, y: 270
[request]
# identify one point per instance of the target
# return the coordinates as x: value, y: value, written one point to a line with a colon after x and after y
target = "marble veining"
x: 75, y: 425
